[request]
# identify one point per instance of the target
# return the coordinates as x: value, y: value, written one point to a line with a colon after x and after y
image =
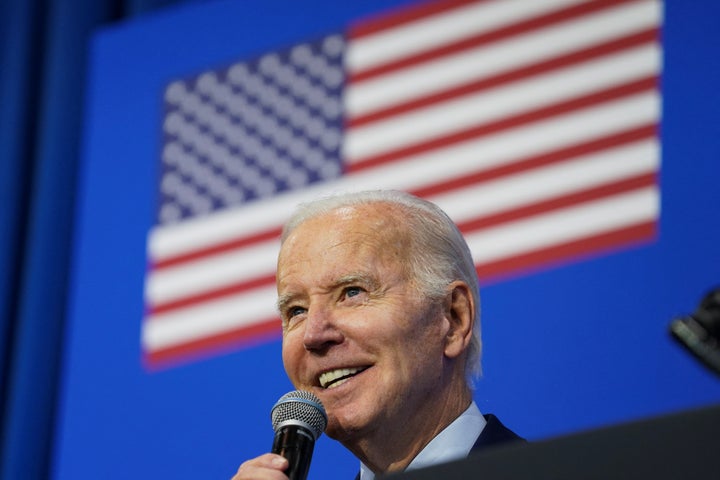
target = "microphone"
x: 298, y: 419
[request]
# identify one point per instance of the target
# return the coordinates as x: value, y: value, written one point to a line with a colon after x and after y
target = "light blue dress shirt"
x: 453, y: 443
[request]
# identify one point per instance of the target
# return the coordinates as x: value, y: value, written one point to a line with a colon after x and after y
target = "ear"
x: 460, y: 313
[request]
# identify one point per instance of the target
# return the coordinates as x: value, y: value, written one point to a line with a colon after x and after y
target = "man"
x: 378, y: 297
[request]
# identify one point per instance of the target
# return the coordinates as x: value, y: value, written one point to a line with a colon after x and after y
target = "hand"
x: 269, y: 466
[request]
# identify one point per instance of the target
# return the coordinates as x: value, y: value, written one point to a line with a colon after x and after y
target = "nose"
x: 321, y: 330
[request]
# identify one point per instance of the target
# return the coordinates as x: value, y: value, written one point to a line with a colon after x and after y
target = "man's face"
x: 357, y: 333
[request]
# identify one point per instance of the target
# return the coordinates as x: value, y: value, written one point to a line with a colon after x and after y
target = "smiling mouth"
x: 335, y: 378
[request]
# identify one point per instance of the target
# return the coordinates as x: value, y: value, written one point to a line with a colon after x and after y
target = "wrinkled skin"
x: 348, y: 301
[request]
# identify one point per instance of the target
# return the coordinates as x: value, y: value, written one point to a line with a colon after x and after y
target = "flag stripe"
x: 645, y: 84
x: 560, y: 202
x: 440, y: 23
x: 211, y: 317
x: 567, y: 224
x: 636, y: 39
x: 229, y: 290
x: 572, y: 151
x: 513, y: 104
x: 435, y: 76
x: 495, y: 271
x: 391, y: 20
x: 235, y: 244
x: 225, y: 341
x: 482, y: 39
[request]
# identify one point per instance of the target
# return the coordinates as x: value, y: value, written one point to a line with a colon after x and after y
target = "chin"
x: 342, y: 427
x: 342, y: 434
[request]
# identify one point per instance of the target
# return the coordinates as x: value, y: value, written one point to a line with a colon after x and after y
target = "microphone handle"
x: 296, y: 444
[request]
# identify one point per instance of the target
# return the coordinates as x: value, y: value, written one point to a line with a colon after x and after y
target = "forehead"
x: 346, y: 236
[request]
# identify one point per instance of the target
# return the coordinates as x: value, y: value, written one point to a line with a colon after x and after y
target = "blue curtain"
x: 43, y: 56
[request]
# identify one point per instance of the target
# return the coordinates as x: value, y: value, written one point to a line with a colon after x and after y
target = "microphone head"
x: 299, y: 408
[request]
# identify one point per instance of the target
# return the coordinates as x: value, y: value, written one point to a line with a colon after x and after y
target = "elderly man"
x: 379, y: 302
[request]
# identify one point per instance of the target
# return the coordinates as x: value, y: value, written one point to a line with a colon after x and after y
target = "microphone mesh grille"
x: 299, y: 406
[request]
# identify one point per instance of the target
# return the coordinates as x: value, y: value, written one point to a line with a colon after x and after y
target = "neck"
x: 390, y: 449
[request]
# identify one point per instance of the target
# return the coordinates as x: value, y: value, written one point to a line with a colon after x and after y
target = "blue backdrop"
x: 565, y: 349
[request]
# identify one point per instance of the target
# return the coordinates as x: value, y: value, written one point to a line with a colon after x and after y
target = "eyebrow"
x: 283, y: 301
x: 354, y: 278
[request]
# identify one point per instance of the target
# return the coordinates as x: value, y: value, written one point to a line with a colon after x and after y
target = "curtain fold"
x: 43, y: 58
x: 20, y: 39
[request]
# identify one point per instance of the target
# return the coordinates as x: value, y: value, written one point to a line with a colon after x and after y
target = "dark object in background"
x: 700, y: 332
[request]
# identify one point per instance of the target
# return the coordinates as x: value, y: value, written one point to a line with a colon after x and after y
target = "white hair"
x: 439, y: 256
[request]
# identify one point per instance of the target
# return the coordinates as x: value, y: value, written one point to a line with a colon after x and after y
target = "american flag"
x: 533, y: 124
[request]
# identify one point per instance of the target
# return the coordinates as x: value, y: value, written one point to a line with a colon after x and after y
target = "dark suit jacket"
x: 494, y: 433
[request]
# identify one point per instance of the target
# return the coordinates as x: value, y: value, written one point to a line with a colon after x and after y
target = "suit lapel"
x: 494, y: 433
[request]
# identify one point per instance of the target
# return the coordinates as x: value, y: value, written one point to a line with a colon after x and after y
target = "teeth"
x: 328, y: 378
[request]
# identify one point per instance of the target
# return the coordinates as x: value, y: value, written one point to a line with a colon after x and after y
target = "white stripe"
x: 438, y: 30
x: 476, y: 154
x: 565, y: 225
x: 474, y: 201
x: 208, y: 319
x: 526, y: 188
x: 486, y: 106
x: 430, y: 77
x: 211, y: 273
x: 508, y: 146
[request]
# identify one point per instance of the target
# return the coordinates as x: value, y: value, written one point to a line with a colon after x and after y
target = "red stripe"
x: 514, y: 121
x: 483, y: 39
x: 521, y: 265
x: 213, y: 345
x: 393, y: 19
x: 556, y: 203
x: 218, y: 248
x: 556, y: 156
x: 226, y: 291
x: 507, y: 77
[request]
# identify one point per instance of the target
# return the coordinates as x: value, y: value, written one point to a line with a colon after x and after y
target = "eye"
x: 352, y: 292
x: 294, y: 311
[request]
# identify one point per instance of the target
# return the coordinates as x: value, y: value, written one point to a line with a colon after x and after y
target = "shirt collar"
x: 454, y: 442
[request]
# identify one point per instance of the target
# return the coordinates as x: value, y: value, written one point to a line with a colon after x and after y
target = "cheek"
x: 424, y: 344
x: 291, y: 356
